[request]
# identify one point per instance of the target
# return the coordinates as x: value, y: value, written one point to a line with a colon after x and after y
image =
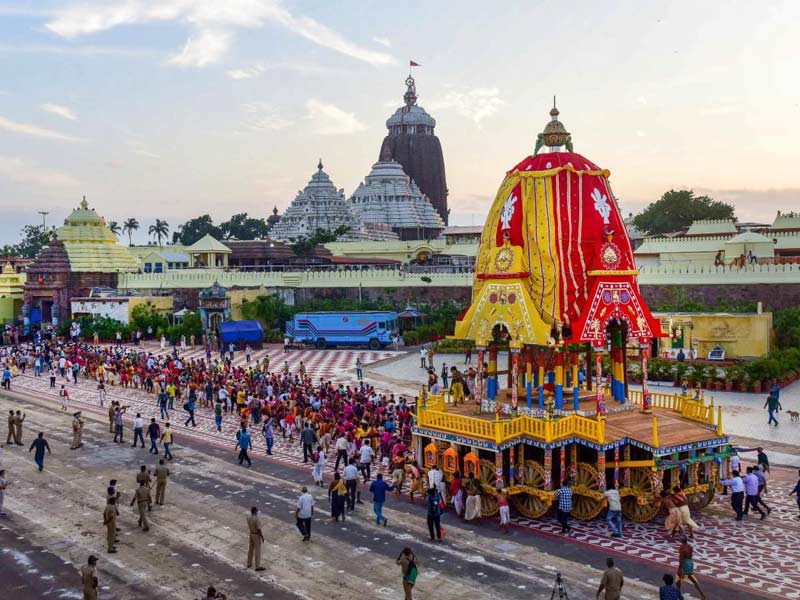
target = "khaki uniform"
x: 110, y: 521
x: 162, y: 473
x: 111, y: 418
x: 77, y: 433
x: 142, y: 500
x: 254, y: 526
x: 18, y: 419
x: 12, y: 429
x: 89, y: 580
x: 144, y: 477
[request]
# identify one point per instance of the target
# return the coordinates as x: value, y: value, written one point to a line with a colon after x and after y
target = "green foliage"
x: 242, y: 227
x: 677, y: 209
x: 678, y: 301
x: 34, y: 238
x: 129, y: 226
x: 114, y: 227
x: 786, y: 323
x: 194, y: 229
x: 270, y: 310
x: 451, y: 346
x: 159, y: 230
x: 145, y: 315
x: 305, y: 246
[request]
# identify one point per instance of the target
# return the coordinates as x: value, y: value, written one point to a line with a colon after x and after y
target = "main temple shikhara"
x: 555, y: 292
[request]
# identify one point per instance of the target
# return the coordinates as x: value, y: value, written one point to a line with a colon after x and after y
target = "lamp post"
x: 44, y: 213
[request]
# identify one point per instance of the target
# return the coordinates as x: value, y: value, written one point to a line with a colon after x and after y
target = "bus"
x: 373, y: 329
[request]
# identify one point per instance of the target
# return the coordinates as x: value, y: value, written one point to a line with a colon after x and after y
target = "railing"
x: 695, y: 410
x: 500, y: 431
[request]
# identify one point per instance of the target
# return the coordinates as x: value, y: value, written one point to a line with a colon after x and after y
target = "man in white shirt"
x: 138, y: 424
x: 614, y: 515
x: 423, y: 355
x: 435, y: 480
x: 365, y: 459
x: 341, y: 451
x: 350, y: 476
x: 737, y: 494
x: 304, y: 512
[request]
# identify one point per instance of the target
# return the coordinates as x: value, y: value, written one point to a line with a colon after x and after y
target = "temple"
x: 388, y: 197
x: 412, y: 142
x: 84, y: 255
x: 319, y: 206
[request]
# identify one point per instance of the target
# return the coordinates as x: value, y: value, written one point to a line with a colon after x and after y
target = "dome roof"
x: 410, y: 114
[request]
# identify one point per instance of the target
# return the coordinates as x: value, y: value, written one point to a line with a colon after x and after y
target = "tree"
x: 303, y: 246
x: 34, y: 238
x: 114, y: 227
x: 129, y: 226
x: 194, y: 229
x: 270, y: 309
x: 242, y: 227
x: 159, y: 230
x: 676, y: 210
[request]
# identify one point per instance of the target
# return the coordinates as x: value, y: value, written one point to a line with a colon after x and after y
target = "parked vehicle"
x: 373, y: 329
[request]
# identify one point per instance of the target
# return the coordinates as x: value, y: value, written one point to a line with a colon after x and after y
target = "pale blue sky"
x: 174, y: 108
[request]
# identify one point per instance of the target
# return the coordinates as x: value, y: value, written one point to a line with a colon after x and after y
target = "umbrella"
x: 410, y: 313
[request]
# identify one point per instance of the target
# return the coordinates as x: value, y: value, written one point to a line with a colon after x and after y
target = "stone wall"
x: 400, y: 297
x: 773, y: 295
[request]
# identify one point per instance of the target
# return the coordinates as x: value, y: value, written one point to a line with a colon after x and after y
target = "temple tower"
x: 412, y: 142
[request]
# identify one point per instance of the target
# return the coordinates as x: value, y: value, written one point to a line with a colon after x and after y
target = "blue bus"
x: 323, y: 329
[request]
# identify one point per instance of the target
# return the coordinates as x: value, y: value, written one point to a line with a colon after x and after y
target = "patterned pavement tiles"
x: 757, y: 556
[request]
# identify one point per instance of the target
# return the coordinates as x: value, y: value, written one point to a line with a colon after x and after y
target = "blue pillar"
x: 576, y: 400
x: 529, y: 394
x: 541, y: 398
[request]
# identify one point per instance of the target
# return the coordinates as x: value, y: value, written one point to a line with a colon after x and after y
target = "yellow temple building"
x: 11, y: 292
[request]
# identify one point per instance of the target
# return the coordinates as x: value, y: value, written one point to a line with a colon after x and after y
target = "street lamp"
x: 44, y: 213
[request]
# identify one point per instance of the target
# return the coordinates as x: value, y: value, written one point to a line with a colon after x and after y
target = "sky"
x: 174, y: 108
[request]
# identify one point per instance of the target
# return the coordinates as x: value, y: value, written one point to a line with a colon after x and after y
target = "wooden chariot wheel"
x: 587, y: 500
x: 488, y: 478
x: 529, y: 504
x: 637, y: 504
x: 701, y: 498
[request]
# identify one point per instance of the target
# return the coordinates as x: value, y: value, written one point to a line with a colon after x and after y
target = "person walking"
x: 218, y: 414
x: 19, y: 419
x: 303, y: 513
x: 409, y: 569
x: 77, y: 431
x: 244, y: 443
x: 564, y: 506
x: 143, y: 476
x: 796, y: 492
x: 341, y: 451
x: 256, y: 539
x: 682, y: 504
x: 614, y: 514
x: 668, y: 591
x: 191, y: 404
x: 141, y: 498
x: 379, y: 488
x: 762, y: 487
x: 166, y: 440
x: 40, y: 444
x: 162, y: 472
x: 89, y: 579
x: 12, y: 429
x: 366, y: 456
x: 457, y: 494
x: 101, y: 391
x: 751, y: 494
x: 773, y: 405
x: 153, y: 432
x: 4, y: 483
x: 308, y: 439
x: 163, y: 403
x: 761, y: 458
x: 110, y: 522
x: 611, y: 581
x: 350, y: 475
x: 423, y: 357
x: 737, y: 493
x: 118, y: 422
x: 268, y: 432
x: 337, y: 494
x: 319, y: 466
x: 138, y: 427
x: 505, y: 513
x: 359, y: 369
x: 686, y: 566
x: 434, y: 514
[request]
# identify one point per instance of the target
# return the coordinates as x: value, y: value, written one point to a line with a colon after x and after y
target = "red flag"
x: 411, y: 63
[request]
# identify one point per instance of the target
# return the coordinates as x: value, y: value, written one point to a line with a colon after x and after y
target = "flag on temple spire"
x: 411, y: 63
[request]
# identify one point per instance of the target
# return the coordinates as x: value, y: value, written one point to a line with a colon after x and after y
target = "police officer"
x: 77, y: 431
x: 89, y: 578
x: 142, y: 500
x: 11, y: 427
x: 256, y: 539
x: 19, y: 418
x: 144, y: 477
x: 162, y: 472
x: 110, y: 521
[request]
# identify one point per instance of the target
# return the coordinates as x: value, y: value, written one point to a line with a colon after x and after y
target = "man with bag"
x: 408, y: 567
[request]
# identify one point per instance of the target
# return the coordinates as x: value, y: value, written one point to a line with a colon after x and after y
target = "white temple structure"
x: 388, y: 197
x: 319, y: 206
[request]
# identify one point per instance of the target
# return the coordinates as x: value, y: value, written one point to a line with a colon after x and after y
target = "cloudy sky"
x: 174, y: 108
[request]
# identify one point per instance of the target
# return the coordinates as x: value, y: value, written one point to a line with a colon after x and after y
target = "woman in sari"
x: 337, y: 492
x: 473, y: 505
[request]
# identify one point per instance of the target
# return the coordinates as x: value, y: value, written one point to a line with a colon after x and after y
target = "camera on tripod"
x: 559, y: 591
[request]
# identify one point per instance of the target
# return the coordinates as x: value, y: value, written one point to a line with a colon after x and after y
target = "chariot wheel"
x: 637, y: 505
x: 701, y: 499
x: 586, y: 496
x: 528, y: 504
x: 488, y: 478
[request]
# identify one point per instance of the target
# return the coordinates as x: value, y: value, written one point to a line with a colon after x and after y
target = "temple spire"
x: 410, y: 97
x: 319, y: 165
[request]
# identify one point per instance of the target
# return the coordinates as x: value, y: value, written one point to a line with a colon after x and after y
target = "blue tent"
x: 241, y: 332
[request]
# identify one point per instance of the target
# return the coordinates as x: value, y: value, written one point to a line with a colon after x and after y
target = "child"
x: 64, y: 397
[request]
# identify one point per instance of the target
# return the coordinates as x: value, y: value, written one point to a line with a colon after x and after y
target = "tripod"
x: 559, y: 591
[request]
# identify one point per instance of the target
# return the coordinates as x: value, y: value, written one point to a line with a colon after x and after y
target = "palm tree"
x: 114, y: 227
x: 129, y: 226
x: 159, y: 230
